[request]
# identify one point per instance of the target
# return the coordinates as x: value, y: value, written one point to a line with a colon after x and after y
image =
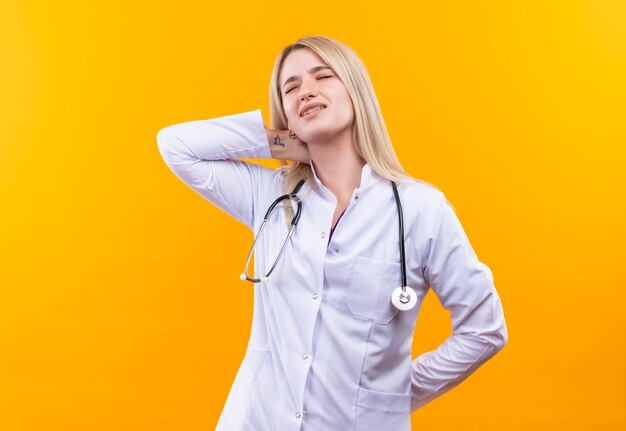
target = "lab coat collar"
x: 366, y: 179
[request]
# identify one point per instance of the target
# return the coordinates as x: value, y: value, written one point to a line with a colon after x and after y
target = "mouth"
x: 311, y: 110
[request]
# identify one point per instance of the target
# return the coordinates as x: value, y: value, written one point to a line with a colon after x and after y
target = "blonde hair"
x: 370, y: 134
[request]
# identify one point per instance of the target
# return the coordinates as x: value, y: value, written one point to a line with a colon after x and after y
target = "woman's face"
x: 306, y: 81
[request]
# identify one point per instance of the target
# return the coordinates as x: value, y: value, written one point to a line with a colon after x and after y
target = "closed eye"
x: 319, y: 77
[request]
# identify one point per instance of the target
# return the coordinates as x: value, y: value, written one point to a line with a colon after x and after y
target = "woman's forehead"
x: 300, y: 61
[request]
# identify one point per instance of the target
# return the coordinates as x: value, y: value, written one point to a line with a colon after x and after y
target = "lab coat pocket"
x: 382, y: 411
x: 370, y: 286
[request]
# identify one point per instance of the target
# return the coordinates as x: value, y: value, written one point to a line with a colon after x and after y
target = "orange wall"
x: 115, y: 279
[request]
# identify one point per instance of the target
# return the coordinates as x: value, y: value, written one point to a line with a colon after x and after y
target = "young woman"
x: 334, y: 315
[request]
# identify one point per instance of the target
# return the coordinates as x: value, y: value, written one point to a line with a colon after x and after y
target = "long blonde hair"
x: 370, y: 134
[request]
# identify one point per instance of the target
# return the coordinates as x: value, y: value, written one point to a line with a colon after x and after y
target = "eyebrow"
x: 311, y: 70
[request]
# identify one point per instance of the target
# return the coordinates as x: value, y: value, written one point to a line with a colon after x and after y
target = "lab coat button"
x: 298, y: 414
x: 315, y: 296
x: 305, y: 356
x: 336, y: 250
x: 323, y: 234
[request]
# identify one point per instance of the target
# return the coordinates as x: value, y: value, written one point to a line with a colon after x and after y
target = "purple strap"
x: 332, y: 230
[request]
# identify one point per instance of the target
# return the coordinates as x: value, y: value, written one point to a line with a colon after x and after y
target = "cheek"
x: 290, y: 110
x: 348, y: 105
x: 346, y: 100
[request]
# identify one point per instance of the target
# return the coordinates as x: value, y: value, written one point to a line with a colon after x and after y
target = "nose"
x: 307, y: 89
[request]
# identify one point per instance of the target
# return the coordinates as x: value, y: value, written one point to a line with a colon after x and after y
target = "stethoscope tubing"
x: 294, y: 222
x: 401, y: 234
x: 403, y: 297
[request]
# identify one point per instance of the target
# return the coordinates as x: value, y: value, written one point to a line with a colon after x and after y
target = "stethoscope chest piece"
x: 404, y: 299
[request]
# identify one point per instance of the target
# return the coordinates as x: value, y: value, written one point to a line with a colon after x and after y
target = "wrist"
x: 277, y: 140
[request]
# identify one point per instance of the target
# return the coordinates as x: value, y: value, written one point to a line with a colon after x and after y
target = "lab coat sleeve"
x: 203, y: 155
x: 465, y: 287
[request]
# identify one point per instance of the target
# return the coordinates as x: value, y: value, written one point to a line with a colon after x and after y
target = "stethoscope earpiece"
x: 244, y: 277
x: 404, y: 299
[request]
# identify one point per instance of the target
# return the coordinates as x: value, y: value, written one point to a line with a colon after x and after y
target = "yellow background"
x: 116, y: 280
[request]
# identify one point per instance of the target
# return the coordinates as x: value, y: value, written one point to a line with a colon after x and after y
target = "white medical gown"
x: 327, y: 349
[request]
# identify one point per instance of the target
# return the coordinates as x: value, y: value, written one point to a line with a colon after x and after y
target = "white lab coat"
x: 327, y: 349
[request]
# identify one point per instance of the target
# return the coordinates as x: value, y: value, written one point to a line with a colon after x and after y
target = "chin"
x: 320, y: 134
x: 317, y: 135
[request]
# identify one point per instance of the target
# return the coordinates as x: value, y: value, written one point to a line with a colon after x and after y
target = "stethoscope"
x: 403, y: 297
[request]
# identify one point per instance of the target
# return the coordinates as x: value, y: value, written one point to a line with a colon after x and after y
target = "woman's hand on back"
x: 287, y: 146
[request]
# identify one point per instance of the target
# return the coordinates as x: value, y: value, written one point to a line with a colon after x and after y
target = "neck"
x: 337, y: 164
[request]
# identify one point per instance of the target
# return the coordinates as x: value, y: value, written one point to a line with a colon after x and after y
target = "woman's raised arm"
x: 203, y: 155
